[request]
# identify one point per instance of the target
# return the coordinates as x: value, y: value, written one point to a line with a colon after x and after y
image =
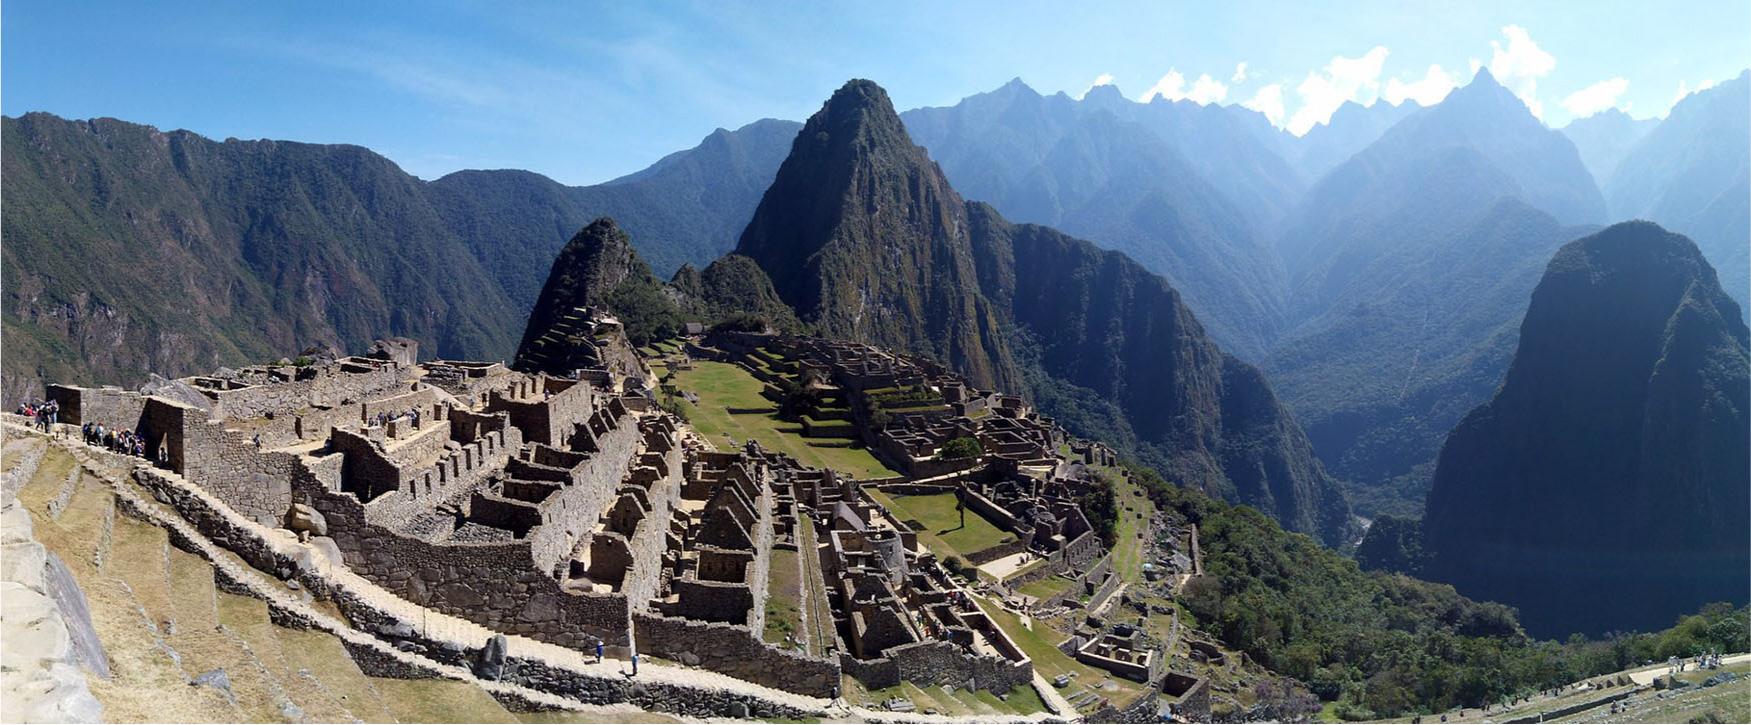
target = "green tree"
x: 963, y: 447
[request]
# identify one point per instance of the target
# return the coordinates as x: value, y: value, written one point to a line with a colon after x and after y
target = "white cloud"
x: 1239, y: 73
x: 1343, y: 79
x: 1684, y: 89
x: 1434, y: 86
x: 1519, y: 64
x: 1268, y: 101
x: 1595, y: 98
x: 1104, y: 79
x: 1204, y: 91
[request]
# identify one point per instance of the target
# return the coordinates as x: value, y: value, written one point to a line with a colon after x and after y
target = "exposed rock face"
x: 45, y: 625
x: 1605, y: 485
x: 597, y: 268
x: 861, y: 233
x: 863, y: 236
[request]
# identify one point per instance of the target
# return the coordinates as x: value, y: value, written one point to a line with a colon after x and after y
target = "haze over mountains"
x: 1375, y: 269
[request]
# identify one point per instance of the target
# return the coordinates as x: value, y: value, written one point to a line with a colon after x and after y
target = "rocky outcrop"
x: 1604, y: 488
x: 45, y: 625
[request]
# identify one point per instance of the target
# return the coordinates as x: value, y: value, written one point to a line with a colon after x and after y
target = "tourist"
x: 257, y: 441
x: 598, y: 651
x: 635, y: 664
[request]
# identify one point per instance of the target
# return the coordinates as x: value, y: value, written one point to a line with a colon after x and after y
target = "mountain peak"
x: 1484, y: 78
x: 1105, y: 93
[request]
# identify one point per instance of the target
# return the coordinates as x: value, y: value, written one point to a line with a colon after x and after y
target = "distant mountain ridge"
x: 1186, y: 190
x: 1410, y: 265
x: 891, y: 254
x: 130, y: 250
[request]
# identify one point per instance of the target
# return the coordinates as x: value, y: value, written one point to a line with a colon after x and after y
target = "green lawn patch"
x: 937, y: 514
x: 721, y: 386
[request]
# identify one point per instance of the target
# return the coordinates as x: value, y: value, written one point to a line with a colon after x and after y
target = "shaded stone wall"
x: 256, y: 484
x: 734, y: 651
x: 114, y: 408
x: 936, y: 662
x: 496, y: 585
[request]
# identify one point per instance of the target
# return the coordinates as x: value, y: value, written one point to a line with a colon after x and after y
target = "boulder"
x: 306, y: 521
x: 489, y: 664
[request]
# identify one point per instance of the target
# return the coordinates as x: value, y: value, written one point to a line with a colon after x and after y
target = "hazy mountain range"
x: 1376, y: 269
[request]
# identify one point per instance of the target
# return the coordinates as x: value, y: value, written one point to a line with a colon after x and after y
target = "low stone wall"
x: 936, y: 662
x: 1146, y: 708
x: 734, y: 651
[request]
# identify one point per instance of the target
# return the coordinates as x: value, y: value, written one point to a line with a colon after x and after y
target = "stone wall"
x: 937, y: 662
x: 112, y: 407
x: 347, y: 380
x: 734, y: 651
x: 367, y: 615
x: 1146, y: 708
x: 256, y: 484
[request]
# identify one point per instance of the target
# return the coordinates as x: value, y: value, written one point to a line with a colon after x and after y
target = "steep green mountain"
x: 864, y: 237
x: 1691, y: 174
x: 1183, y: 189
x: 1410, y: 266
x: 597, y: 268
x: 1604, y: 138
x: 1604, y: 486
x: 687, y: 208
x: 131, y: 250
x: 732, y: 286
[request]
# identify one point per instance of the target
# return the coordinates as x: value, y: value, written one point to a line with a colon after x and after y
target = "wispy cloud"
x: 1204, y: 91
x: 1519, y: 63
x: 1343, y: 79
x: 1595, y: 98
x: 1239, y: 76
x: 1268, y: 101
x: 1426, y: 91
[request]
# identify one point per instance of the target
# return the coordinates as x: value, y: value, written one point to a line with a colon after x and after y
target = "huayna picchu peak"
x: 891, y: 255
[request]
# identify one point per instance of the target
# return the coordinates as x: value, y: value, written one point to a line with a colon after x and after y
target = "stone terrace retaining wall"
x: 935, y: 662
x: 734, y: 651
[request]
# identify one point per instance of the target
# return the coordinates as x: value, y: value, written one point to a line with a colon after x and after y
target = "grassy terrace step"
x: 248, y: 619
x: 143, y: 670
x: 724, y: 386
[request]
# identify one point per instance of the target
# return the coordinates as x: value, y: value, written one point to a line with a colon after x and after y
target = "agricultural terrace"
x: 720, y: 387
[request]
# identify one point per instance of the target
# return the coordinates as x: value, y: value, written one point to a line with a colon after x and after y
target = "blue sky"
x: 584, y: 92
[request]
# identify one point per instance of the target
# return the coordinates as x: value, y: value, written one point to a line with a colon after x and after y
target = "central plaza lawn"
x: 721, y: 386
x: 941, y: 523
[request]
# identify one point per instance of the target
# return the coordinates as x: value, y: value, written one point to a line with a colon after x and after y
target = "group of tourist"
x: 124, y: 441
x: 382, y: 418
x: 43, y: 415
